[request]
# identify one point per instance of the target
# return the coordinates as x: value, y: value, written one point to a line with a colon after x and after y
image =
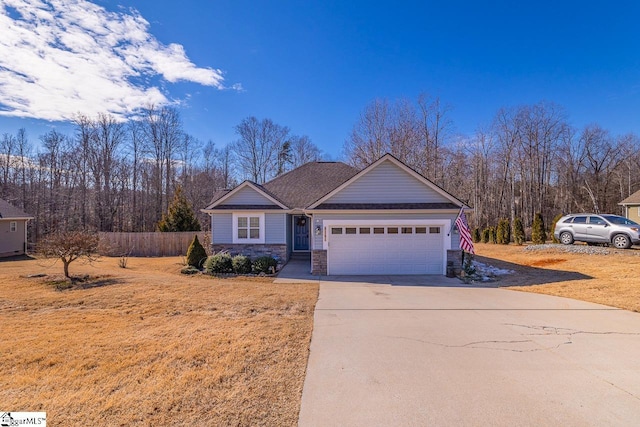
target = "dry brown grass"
x: 153, y: 347
x: 605, y: 279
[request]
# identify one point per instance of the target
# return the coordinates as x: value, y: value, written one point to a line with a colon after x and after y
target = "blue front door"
x: 300, y: 233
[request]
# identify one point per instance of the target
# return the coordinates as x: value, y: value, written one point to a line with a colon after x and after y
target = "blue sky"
x: 315, y: 65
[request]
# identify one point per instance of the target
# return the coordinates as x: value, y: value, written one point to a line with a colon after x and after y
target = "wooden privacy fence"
x: 149, y: 244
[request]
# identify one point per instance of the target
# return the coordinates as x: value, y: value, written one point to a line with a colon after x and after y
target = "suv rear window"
x: 580, y: 220
x: 615, y: 219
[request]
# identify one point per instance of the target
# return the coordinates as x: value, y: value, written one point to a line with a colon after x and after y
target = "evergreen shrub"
x: 265, y: 264
x: 538, y: 234
x: 219, y: 263
x: 241, y: 264
x: 196, y: 254
x: 518, y: 231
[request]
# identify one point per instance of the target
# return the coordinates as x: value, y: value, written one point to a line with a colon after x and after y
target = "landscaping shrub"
x: 518, y: 231
x: 190, y: 269
x: 538, y: 234
x: 477, y: 238
x: 485, y: 235
x: 219, y: 263
x: 196, y: 253
x: 503, y: 232
x: 265, y: 264
x: 492, y: 235
x: 553, y: 227
x: 241, y: 264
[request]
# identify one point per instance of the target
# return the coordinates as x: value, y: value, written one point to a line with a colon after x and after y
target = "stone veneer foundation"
x: 253, y: 251
x: 319, y: 262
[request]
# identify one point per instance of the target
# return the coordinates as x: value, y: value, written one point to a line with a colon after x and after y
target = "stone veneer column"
x: 319, y: 262
x: 454, y: 261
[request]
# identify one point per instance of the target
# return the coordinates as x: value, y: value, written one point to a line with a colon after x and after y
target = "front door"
x: 300, y: 233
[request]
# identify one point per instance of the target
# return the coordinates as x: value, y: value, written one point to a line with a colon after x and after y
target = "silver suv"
x: 595, y: 228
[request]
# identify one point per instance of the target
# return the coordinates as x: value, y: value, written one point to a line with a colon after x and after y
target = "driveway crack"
x: 553, y: 330
x: 491, y: 345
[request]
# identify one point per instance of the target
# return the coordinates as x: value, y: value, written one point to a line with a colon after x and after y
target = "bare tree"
x: 70, y: 246
x: 303, y: 151
x: 259, y: 151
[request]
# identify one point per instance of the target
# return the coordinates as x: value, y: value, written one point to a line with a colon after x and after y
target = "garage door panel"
x: 402, y: 253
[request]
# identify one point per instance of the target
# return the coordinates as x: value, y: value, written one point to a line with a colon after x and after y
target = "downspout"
x: 25, y: 235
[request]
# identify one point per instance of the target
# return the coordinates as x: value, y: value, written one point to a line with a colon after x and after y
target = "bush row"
x: 505, y: 232
x: 222, y: 262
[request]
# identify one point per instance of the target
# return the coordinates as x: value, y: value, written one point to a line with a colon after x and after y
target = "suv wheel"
x: 621, y: 241
x: 566, y: 238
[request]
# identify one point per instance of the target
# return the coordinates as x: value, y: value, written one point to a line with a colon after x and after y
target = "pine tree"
x: 518, y: 231
x: 492, y: 235
x: 553, y: 227
x: 180, y: 216
x: 196, y: 254
x: 477, y: 238
x: 503, y: 232
x: 538, y: 235
x: 486, y: 234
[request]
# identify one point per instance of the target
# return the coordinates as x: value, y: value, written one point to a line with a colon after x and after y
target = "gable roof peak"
x: 9, y: 211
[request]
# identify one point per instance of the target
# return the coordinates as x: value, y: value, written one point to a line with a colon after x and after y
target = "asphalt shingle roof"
x: 301, y: 187
x: 633, y: 199
x: 7, y: 210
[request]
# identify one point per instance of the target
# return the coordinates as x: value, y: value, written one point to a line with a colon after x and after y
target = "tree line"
x: 114, y: 175
x: 528, y: 160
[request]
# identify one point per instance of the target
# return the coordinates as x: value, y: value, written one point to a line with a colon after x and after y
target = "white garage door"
x: 388, y: 249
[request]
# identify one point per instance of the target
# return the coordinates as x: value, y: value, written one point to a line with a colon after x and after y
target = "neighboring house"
x: 384, y: 219
x: 13, y: 230
x: 632, y: 206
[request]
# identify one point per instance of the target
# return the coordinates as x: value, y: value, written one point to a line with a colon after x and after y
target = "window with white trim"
x: 13, y: 226
x: 248, y: 228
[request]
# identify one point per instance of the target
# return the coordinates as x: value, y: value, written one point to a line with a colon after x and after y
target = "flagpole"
x: 453, y: 224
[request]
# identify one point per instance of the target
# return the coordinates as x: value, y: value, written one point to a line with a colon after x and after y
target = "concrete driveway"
x: 400, y: 355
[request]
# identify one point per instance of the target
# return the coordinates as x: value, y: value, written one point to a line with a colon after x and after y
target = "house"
x: 13, y: 230
x: 384, y: 219
x: 632, y: 206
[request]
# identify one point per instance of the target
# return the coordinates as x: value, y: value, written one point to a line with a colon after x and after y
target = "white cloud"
x: 61, y: 57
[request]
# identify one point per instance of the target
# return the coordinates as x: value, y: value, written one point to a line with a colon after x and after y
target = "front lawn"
x: 148, y: 346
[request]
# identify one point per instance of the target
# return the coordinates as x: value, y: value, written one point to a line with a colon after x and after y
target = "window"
x: 421, y: 230
x: 392, y: 230
x: 350, y: 230
x: 336, y: 230
x: 407, y: 230
x: 365, y: 230
x: 596, y: 220
x: 434, y: 230
x: 248, y: 228
x: 580, y: 220
x: 378, y: 230
x: 13, y: 226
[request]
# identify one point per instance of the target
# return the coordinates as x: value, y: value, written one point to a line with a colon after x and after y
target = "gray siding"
x: 12, y: 243
x: 387, y: 183
x: 275, y: 228
x: 247, y: 196
x: 222, y: 228
x: 319, y: 218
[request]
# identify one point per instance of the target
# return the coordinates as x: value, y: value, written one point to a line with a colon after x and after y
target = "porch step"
x: 301, y: 255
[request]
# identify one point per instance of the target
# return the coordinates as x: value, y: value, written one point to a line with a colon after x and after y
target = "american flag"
x: 466, y: 243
